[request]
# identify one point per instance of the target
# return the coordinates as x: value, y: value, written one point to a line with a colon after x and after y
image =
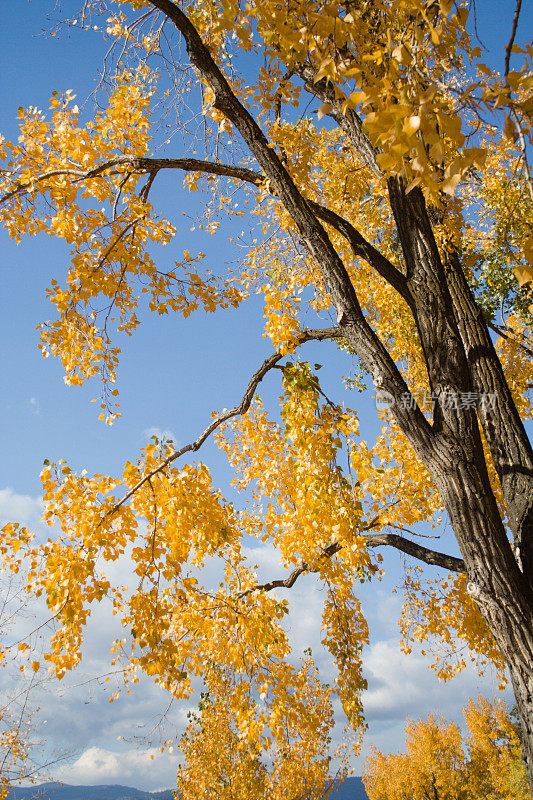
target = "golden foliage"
x: 441, y: 762
x: 220, y: 746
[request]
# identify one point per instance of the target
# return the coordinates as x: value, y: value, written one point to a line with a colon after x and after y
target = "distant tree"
x: 442, y: 764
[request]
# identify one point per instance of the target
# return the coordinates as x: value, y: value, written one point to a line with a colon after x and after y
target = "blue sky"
x: 172, y: 375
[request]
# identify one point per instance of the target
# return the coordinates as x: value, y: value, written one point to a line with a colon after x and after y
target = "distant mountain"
x: 63, y: 791
x: 351, y: 789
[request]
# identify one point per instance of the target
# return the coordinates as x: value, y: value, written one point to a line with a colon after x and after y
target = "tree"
x: 14, y: 719
x: 441, y: 764
x: 410, y: 202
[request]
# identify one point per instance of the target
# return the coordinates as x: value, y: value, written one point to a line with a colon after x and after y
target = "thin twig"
x: 510, y: 43
x: 500, y: 331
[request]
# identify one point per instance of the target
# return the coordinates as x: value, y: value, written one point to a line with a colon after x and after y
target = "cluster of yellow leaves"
x: 441, y: 612
x: 398, y: 491
x: 14, y: 538
x: 173, y: 524
x: 301, y: 501
x: 303, y: 504
x: 366, y: 54
x: 440, y: 762
x: 88, y: 180
x: 497, y: 233
x: 222, y: 756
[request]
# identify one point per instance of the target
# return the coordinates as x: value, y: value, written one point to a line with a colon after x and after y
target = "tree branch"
x: 419, y: 552
x: 350, y: 122
x: 363, y: 249
x: 502, y: 331
x: 432, y: 557
x: 318, y: 334
x: 512, y: 109
x: 510, y: 43
x: 360, y: 246
x: 150, y: 165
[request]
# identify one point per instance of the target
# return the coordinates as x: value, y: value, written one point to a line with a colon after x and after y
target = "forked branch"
x: 355, y: 328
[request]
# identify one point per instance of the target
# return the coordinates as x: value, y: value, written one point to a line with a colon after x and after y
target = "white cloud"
x: 20, y: 508
x: 147, y: 769
x: 267, y: 559
x: 34, y: 406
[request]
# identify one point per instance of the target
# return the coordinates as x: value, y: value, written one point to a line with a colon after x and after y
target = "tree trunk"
x: 504, y: 431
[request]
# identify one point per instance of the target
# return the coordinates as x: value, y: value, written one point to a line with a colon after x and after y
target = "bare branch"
x: 432, y: 557
x: 419, y: 552
x: 150, y: 165
x: 360, y: 246
x: 280, y: 583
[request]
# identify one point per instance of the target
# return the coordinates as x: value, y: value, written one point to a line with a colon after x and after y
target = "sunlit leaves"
x: 95, y: 200
x: 291, y: 721
x: 441, y: 612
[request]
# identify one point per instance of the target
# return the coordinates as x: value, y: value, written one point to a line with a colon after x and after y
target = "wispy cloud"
x: 34, y: 406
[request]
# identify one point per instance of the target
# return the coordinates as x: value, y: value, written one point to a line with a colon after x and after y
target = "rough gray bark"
x: 503, y: 429
x: 459, y: 357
